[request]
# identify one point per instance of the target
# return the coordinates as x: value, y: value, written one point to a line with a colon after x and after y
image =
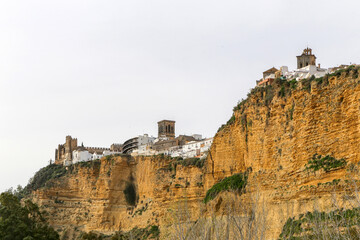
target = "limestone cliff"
x: 276, y: 131
x: 273, y: 135
x: 92, y: 196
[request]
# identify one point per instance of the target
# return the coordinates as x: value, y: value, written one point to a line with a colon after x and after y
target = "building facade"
x: 306, y: 58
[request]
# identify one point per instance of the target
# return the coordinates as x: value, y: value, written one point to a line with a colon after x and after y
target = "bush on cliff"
x: 327, y: 163
x: 197, y: 162
x: 337, y: 224
x: 43, y: 176
x: 18, y: 222
x: 236, y: 183
x: 91, y: 236
x: 149, y: 232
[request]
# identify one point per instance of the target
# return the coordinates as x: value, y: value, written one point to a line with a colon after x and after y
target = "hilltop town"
x: 166, y: 143
x: 184, y: 146
x: 306, y: 68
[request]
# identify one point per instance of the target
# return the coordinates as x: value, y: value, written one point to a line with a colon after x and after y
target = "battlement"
x: 64, y: 152
x: 97, y: 150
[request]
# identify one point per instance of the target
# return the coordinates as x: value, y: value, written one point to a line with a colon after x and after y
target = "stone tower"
x: 64, y: 151
x: 306, y: 58
x: 166, y: 128
x: 70, y: 146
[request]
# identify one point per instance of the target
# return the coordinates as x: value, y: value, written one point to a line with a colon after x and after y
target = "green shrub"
x: 282, y: 92
x: 23, y: 220
x: 291, y: 111
x: 197, y: 162
x: 221, y: 128
x: 319, y: 225
x: 149, y: 232
x: 293, y: 84
x: 327, y: 163
x: 44, y: 176
x: 269, y: 95
x: 88, y: 164
x: 236, y: 182
x: 91, y: 236
x: 240, y: 105
x: 231, y: 120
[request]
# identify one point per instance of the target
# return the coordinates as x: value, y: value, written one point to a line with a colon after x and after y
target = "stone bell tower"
x: 166, y: 128
x: 306, y: 58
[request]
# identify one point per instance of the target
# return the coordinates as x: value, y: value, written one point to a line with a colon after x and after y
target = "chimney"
x: 319, y: 65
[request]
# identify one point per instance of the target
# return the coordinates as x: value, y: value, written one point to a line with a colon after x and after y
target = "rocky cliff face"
x: 277, y: 139
x: 272, y: 135
x: 119, y: 193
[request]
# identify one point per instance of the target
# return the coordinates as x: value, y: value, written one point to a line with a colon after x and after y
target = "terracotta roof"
x: 271, y: 70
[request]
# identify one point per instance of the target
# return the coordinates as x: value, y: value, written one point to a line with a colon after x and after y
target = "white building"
x: 83, y: 155
x: 306, y: 72
x: 145, y: 140
x: 192, y: 149
x: 144, y: 150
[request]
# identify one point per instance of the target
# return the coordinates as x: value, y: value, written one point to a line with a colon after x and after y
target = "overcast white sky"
x: 105, y: 71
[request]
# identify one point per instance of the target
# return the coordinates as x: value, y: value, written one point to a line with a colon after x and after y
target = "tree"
x: 23, y: 221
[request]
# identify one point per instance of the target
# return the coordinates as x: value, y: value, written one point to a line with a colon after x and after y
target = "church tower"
x: 306, y: 58
x: 166, y: 128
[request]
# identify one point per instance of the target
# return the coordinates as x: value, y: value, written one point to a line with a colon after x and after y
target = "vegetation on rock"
x: 149, y: 232
x: 197, y: 162
x: 43, y: 177
x: 88, y: 164
x: 235, y: 182
x: 338, y: 224
x: 282, y: 87
x: 327, y: 163
x: 23, y: 222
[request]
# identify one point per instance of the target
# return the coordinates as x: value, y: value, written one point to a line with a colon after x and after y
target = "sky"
x: 106, y: 71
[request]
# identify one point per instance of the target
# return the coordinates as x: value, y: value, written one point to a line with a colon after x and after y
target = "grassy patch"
x: 236, y: 182
x: 327, y: 163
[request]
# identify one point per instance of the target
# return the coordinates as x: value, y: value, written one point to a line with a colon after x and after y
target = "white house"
x: 306, y: 72
x: 81, y: 155
x: 192, y: 149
